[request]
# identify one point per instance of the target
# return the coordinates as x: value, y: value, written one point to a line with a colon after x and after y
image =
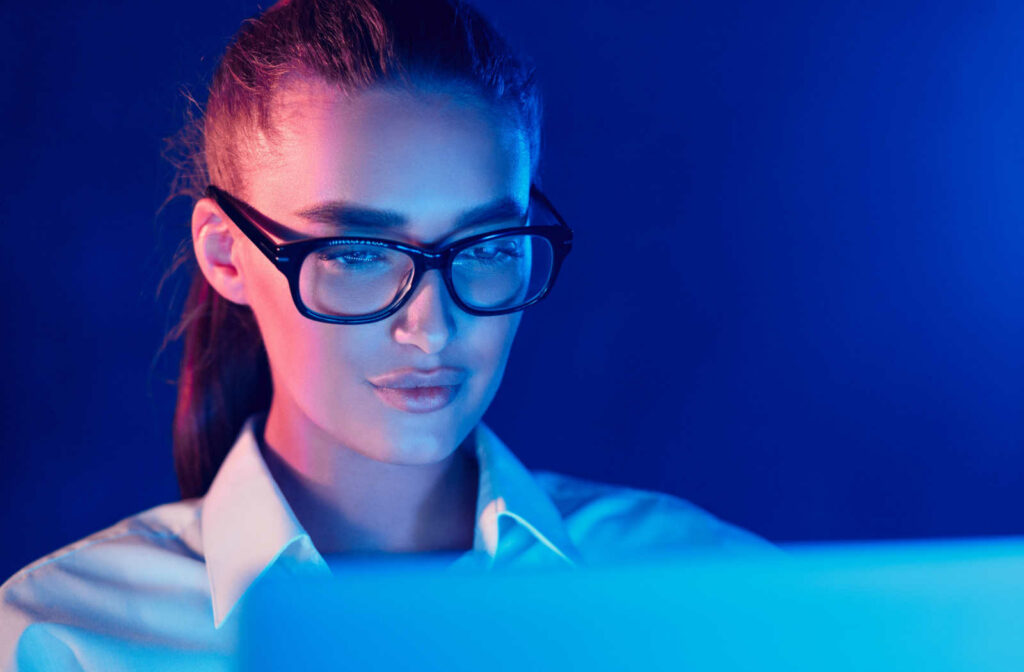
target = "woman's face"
x: 428, y: 158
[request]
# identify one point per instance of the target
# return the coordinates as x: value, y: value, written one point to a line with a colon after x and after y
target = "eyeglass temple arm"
x: 536, y: 193
x: 263, y: 242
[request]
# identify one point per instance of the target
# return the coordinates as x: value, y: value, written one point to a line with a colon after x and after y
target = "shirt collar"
x: 508, y: 490
x: 248, y: 528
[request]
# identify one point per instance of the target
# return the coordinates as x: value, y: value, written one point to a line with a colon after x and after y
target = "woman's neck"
x: 348, y: 502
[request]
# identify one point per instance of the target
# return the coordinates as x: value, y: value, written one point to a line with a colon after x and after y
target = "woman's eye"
x: 499, y: 251
x: 356, y: 258
x: 352, y: 258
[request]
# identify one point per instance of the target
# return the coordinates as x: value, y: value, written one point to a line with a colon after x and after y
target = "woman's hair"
x: 351, y: 44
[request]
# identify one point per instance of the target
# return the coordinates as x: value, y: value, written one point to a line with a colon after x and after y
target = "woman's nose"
x: 425, y: 321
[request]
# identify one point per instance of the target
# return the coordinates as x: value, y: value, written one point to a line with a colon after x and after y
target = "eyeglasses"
x: 356, y: 280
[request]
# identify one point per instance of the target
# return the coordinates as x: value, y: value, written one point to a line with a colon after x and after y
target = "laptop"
x: 935, y: 606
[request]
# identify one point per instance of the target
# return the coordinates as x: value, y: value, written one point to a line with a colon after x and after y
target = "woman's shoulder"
x: 104, y: 582
x: 109, y: 600
x: 167, y: 528
x: 125, y: 559
x: 610, y: 522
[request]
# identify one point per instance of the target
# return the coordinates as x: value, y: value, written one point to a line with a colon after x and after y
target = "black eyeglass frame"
x: 289, y: 257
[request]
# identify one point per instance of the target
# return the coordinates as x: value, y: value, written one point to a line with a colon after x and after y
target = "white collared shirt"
x: 158, y: 590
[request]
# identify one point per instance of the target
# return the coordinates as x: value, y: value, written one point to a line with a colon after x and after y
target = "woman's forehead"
x: 428, y: 155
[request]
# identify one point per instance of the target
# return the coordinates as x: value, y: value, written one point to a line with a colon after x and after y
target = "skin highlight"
x: 359, y: 474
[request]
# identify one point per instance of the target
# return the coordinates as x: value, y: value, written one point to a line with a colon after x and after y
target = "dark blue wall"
x: 795, y: 299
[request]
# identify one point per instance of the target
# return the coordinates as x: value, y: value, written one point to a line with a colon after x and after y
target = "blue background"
x: 795, y: 296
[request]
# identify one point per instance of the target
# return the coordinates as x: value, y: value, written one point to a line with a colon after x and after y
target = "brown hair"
x: 353, y: 44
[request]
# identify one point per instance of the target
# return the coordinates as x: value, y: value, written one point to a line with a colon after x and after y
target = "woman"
x: 367, y: 233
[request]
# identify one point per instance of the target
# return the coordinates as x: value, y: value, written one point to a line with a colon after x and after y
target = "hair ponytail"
x: 224, y: 379
x: 352, y: 44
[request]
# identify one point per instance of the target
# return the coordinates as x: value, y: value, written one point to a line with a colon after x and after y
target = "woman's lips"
x: 419, y: 390
x: 417, y: 399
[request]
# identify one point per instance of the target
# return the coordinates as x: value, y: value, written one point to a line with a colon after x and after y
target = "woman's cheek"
x: 494, y: 344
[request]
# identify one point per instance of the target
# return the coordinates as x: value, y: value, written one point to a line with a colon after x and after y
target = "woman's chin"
x: 409, y: 443
x: 417, y: 450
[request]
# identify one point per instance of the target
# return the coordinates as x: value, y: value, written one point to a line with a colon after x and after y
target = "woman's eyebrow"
x: 345, y: 214
x: 498, y: 210
x: 342, y: 213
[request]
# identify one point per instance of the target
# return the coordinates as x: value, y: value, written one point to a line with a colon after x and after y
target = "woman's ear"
x: 213, y: 239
